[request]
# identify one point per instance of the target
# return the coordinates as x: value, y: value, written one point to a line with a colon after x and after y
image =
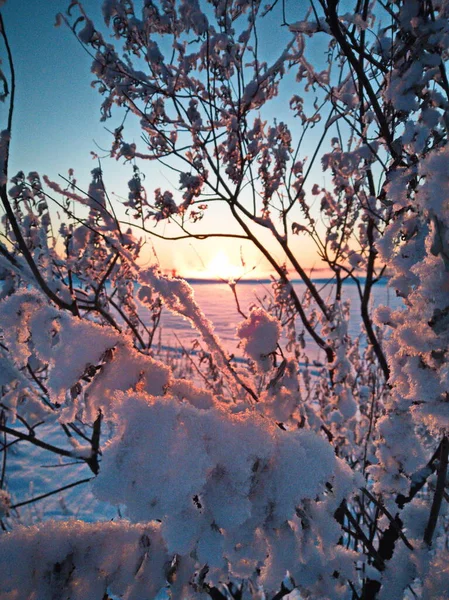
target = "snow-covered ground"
x: 218, y: 304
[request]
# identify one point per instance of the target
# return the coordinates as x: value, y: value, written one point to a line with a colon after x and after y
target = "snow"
x: 79, y: 560
x: 5, y: 503
x: 260, y: 334
x: 222, y: 499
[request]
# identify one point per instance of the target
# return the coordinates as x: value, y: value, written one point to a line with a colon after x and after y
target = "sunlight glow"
x: 220, y: 267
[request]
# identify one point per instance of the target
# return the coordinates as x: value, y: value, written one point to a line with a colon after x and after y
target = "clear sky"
x: 57, y: 125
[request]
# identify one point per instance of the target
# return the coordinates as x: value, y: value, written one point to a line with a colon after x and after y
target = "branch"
x: 42, y: 496
x: 334, y: 24
x: 4, y: 196
x: 390, y: 517
x: 280, y: 271
x: 44, y: 445
x: 439, y: 492
x: 419, y: 478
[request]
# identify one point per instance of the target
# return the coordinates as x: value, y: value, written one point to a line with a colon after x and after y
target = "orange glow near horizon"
x: 207, y: 260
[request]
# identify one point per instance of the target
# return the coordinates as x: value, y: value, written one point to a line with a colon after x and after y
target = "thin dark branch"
x: 439, y: 491
x: 393, y: 520
x: 37, y: 442
x: 42, y: 496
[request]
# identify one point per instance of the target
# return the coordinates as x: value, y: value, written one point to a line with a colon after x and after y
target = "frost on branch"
x: 179, y: 298
x: 260, y: 334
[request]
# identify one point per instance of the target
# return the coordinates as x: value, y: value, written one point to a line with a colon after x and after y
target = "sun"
x: 220, y: 267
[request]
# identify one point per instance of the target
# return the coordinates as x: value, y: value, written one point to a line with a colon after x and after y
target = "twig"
x: 195, y: 366
x: 439, y: 492
x: 95, y: 442
x: 42, y: 496
x: 378, y: 560
x: 2, y: 478
x: 390, y: 517
x: 37, y: 442
x: 419, y: 479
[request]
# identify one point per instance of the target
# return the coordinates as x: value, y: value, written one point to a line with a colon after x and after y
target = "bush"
x: 261, y: 478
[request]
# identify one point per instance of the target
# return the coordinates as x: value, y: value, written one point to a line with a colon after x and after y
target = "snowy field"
x: 218, y: 304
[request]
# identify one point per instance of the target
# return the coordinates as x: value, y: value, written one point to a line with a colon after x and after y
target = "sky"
x: 57, y: 125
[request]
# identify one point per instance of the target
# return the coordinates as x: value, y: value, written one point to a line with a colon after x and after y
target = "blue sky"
x: 57, y: 122
x: 56, y: 110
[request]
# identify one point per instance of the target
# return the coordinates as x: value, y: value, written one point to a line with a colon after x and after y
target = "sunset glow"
x: 220, y: 267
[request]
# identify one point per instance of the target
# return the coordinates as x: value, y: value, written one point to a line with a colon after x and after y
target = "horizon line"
x: 217, y: 280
